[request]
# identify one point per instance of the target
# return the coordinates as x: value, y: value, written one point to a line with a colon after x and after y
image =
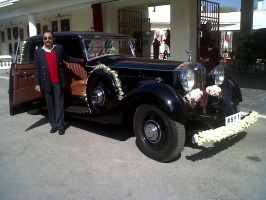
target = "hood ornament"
x: 189, y: 56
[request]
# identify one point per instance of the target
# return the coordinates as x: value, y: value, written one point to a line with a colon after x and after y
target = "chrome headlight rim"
x: 187, y: 78
x: 217, y: 74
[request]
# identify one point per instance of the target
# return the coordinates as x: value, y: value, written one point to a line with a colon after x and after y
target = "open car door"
x: 22, y: 94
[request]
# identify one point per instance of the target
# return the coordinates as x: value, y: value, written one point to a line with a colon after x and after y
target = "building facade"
x: 26, y: 18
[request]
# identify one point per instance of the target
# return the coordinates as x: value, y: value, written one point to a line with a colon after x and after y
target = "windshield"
x: 101, y: 47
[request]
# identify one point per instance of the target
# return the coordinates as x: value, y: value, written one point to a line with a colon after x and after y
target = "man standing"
x: 156, y: 48
x: 50, y: 78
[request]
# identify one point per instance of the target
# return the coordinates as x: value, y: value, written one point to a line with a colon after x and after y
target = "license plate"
x: 232, y: 118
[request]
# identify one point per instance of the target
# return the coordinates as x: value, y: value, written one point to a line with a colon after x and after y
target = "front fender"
x: 160, y: 95
x: 232, y: 95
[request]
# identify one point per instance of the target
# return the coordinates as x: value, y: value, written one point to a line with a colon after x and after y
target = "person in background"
x: 214, y: 54
x: 49, y: 77
x: 156, y: 48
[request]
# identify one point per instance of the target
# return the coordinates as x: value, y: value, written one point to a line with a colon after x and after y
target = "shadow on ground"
x: 121, y: 132
x: 208, y: 152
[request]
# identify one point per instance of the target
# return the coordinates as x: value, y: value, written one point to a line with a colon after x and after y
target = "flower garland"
x: 112, y: 50
x: 216, y: 135
x: 213, y: 90
x: 22, y: 52
x: 194, y: 95
x: 86, y: 97
x: 108, y: 70
x: 114, y: 73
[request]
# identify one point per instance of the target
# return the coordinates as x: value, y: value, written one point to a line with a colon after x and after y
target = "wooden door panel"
x: 24, y: 88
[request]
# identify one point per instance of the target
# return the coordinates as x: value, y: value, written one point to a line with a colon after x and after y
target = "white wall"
x: 80, y: 20
x: 262, y: 4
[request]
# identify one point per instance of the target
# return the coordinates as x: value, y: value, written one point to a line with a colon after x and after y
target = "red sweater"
x: 52, y: 66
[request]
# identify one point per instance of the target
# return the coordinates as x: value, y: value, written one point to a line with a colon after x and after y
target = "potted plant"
x: 231, y: 62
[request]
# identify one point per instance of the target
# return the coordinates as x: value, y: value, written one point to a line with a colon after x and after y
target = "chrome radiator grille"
x: 200, y: 79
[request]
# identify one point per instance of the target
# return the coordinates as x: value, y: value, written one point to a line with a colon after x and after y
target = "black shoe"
x: 61, y: 131
x: 53, y: 130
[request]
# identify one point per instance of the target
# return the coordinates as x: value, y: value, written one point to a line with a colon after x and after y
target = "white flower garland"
x: 213, y: 90
x: 194, y: 95
x: 115, y: 75
x: 85, y: 96
x: 108, y: 70
x: 216, y: 135
x: 112, y: 50
x: 22, y: 52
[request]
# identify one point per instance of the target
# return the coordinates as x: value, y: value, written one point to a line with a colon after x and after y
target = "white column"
x: 32, y: 24
x: 110, y: 20
x: 246, y: 21
x: 183, y: 29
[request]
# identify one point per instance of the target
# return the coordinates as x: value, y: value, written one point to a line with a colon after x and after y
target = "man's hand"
x: 37, y: 88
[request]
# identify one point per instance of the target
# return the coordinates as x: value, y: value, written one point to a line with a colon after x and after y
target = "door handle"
x: 25, y: 75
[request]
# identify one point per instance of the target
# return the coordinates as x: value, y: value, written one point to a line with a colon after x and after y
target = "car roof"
x: 87, y: 34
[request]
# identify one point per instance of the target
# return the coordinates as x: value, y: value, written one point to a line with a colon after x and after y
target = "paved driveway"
x: 93, y: 161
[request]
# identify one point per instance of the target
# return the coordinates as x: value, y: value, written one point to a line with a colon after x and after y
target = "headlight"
x: 217, y: 74
x: 187, y: 79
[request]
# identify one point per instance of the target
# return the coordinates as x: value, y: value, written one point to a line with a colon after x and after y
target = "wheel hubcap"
x: 152, y: 131
x: 98, y: 96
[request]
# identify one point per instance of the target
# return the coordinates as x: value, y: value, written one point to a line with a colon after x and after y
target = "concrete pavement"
x: 253, y: 88
x: 252, y: 79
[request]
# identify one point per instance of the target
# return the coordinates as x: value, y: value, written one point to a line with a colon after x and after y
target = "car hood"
x: 120, y: 61
x: 148, y: 64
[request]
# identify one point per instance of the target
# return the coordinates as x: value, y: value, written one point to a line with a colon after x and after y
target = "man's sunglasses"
x: 47, y: 38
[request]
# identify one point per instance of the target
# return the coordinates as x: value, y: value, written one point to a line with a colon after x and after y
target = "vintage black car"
x: 165, y: 101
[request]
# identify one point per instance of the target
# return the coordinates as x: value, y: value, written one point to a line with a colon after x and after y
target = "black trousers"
x: 55, y: 106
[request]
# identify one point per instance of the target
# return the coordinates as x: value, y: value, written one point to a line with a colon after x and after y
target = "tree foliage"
x: 226, y: 9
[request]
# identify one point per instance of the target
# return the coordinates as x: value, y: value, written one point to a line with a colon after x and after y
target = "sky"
x: 231, y: 3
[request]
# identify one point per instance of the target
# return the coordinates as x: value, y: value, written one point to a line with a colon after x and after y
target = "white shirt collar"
x: 49, y: 51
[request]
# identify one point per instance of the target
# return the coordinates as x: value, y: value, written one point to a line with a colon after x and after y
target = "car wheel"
x: 158, y: 136
x: 36, y: 111
x: 101, y: 91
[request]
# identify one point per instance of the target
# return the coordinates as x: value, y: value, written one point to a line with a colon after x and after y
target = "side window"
x: 28, y: 51
x: 72, y: 46
x: 35, y: 45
